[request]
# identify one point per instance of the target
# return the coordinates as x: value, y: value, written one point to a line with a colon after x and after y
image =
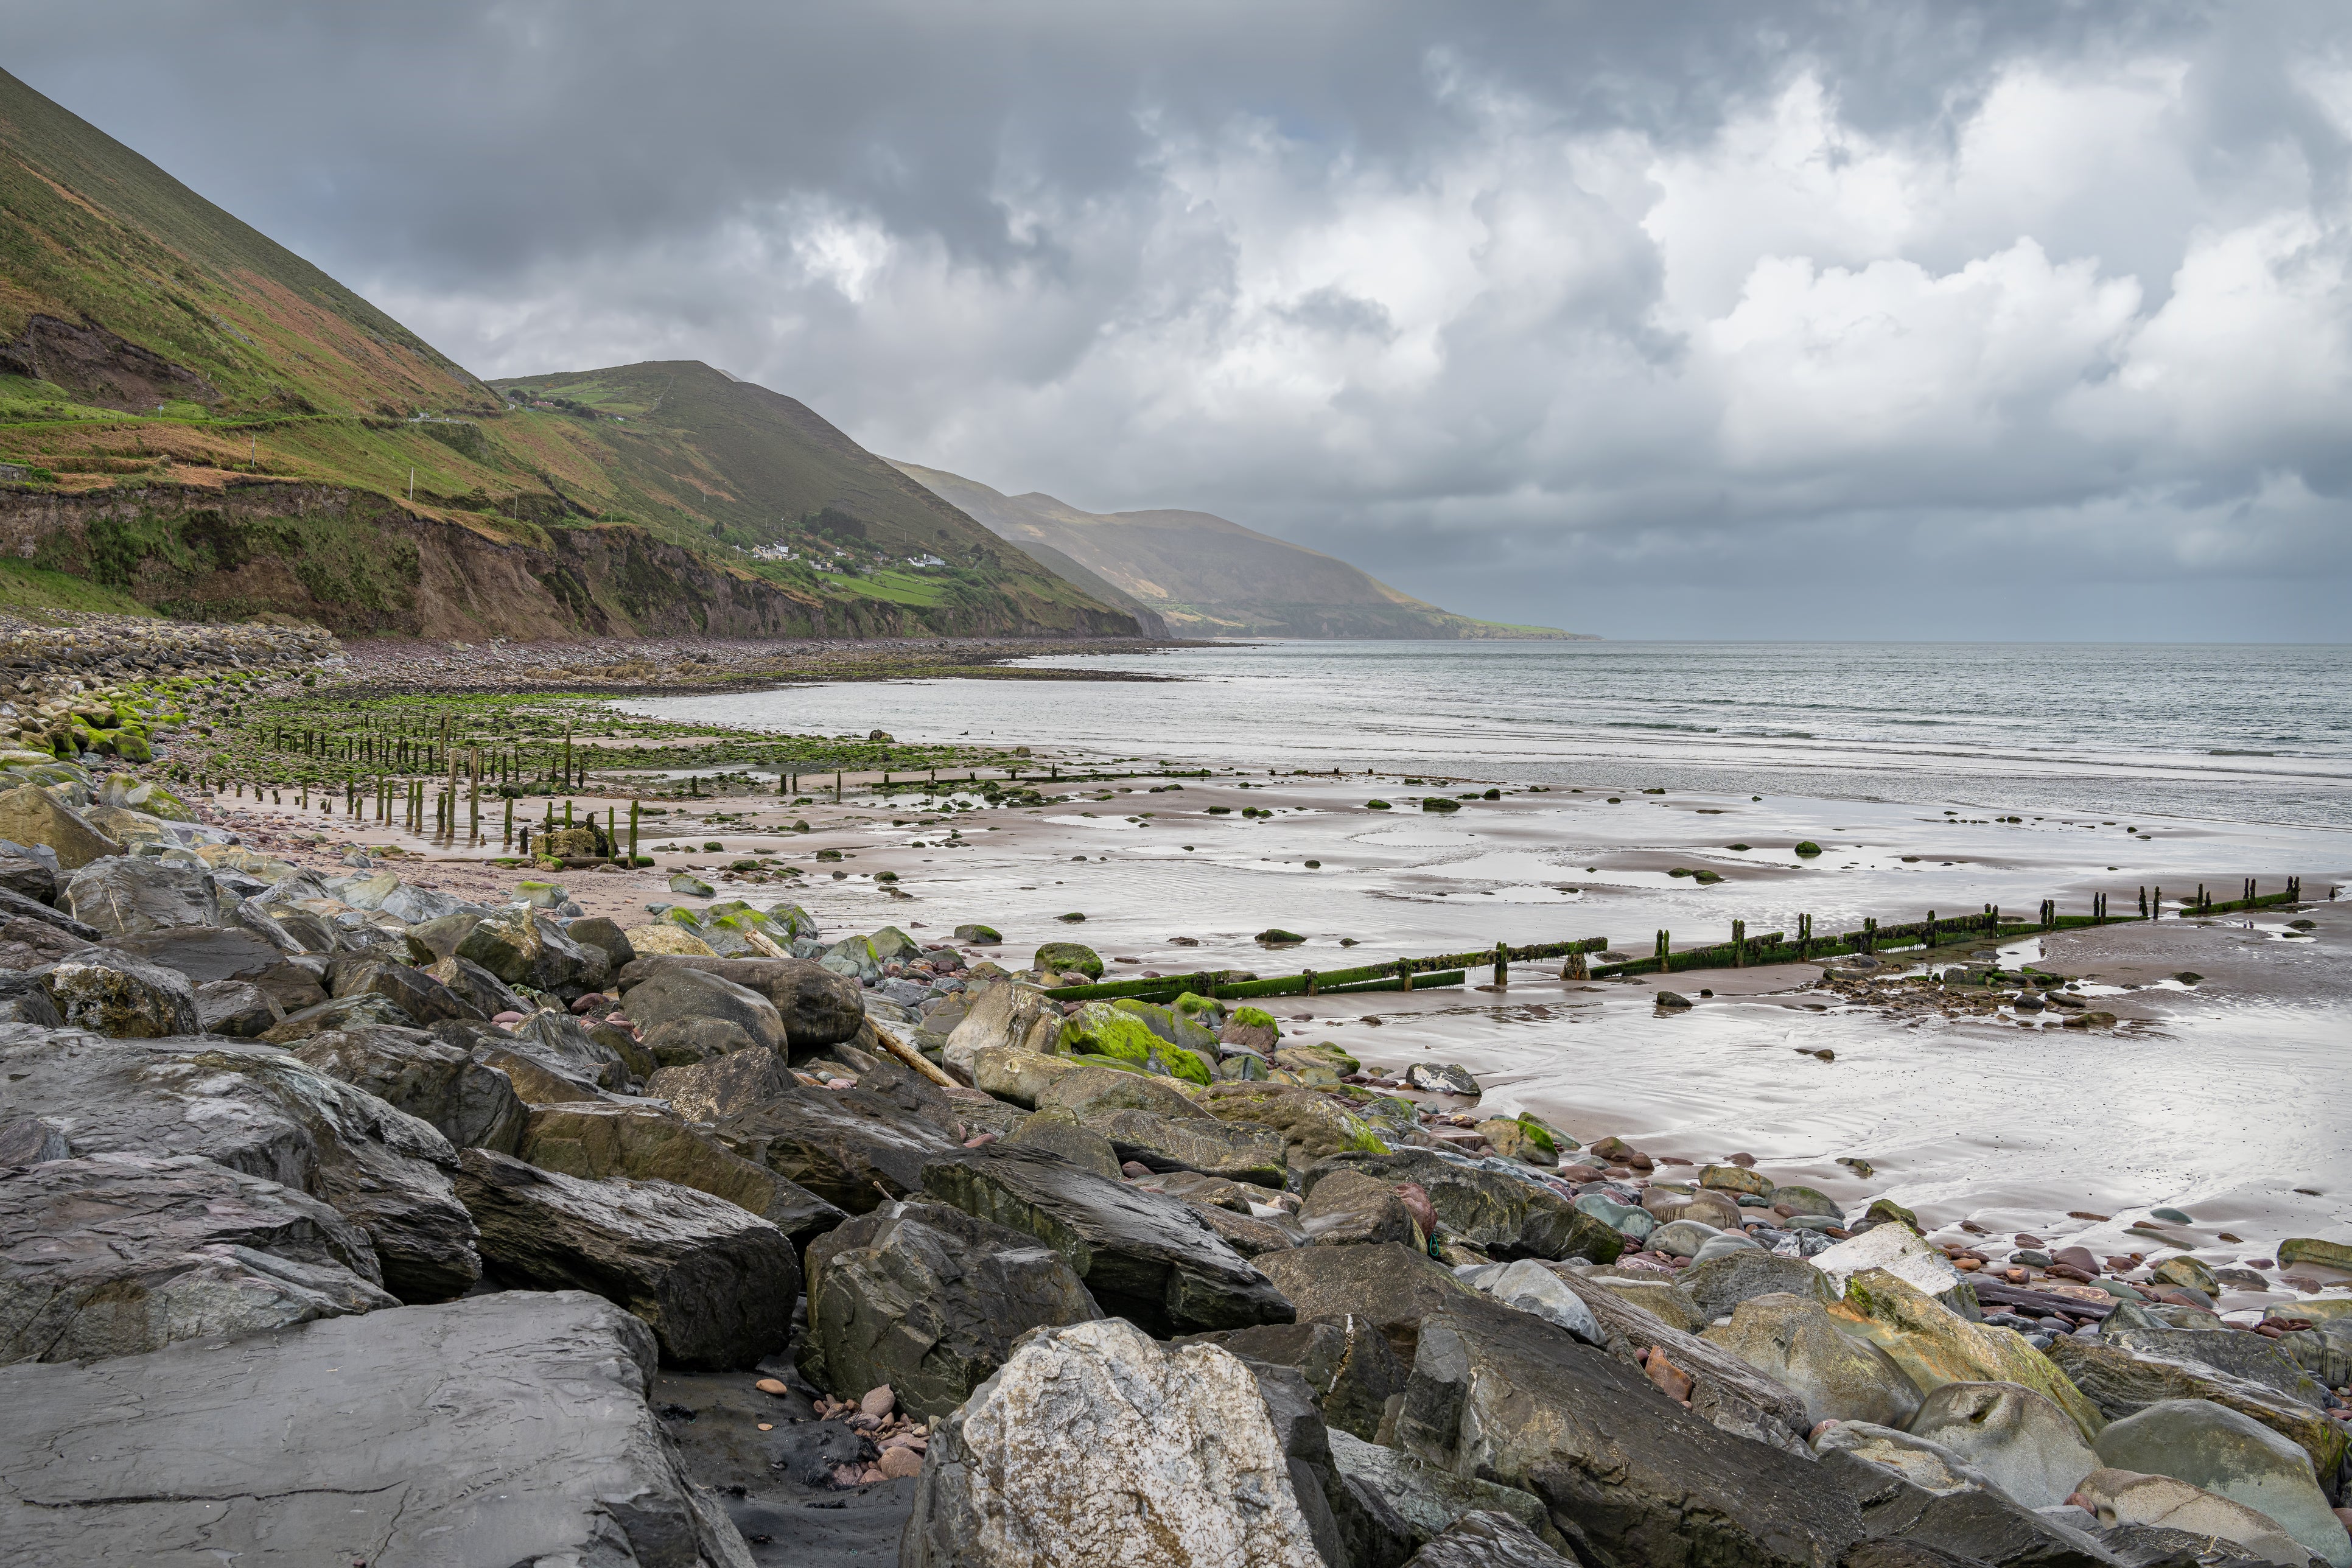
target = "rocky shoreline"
x: 719, y: 1238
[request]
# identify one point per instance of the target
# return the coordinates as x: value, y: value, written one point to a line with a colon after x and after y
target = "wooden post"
x: 1665, y: 954
x: 836, y: 786
x: 2156, y: 904
x: 1740, y: 944
x: 1309, y: 976
x: 612, y: 833
x: 1502, y: 964
x: 1931, y: 928
x: 633, y: 833
x: 1575, y: 968
x: 506, y: 840
x: 473, y: 792
x: 1404, y: 972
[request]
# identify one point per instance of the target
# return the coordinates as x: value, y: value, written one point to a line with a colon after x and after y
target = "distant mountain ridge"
x: 1205, y: 575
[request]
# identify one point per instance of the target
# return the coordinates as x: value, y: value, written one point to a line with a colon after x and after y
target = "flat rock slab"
x: 1143, y: 1257
x: 125, y: 1254
x: 265, y: 1112
x: 715, y: 1282
x: 850, y: 1147
x: 508, y: 1428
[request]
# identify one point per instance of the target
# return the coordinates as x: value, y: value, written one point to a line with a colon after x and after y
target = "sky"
x: 1755, y: 320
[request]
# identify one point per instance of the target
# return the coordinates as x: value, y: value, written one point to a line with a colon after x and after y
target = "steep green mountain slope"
x: 194, y: 416
x: 1208, y: 577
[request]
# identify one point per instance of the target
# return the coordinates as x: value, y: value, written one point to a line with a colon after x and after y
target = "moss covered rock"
x: 1067, y: 957
x: 1312, y: 1126
x: 1101, y: 1029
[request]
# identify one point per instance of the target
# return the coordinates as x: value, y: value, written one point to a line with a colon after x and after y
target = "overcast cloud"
x: 1743, y: 319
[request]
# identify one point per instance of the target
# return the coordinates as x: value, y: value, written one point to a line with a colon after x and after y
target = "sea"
x: 2229, y: 732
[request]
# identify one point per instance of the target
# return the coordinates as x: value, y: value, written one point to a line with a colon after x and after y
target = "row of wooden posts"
x: 1742, y: 951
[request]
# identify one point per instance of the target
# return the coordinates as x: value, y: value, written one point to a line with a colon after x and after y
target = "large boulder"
x: 238, y: 1007
x: 337, y: 1012
x: 504, y: 1429
x: 522, y: 947
x: 598, y: 1142
x: 2031, y: 1448
x: 122, y: 1253
x: 472, y: 1106
x: 1022, y: 1076
x: 1627, y: 1475
x: 1311, y: 1125
x: 1718, y: 1285
x: 928, y: 1299
x: 1935, y: 1345
x: 1895, y: 1249
x: 1234, y: 1151
x: 133, y: 895
x: 818, y: 1008
x: 485, y: 992
x: 556, y: 1034
x: 675, y: 994
x: 1961, y: 1520
x: 1095, y: 1447
x: 683, y: 1042
x: 715, y: 1282
x: 1790, y: 1339
x: 2135, y: 1502
x: 1429, y: 1500
x: 1484, y: 1538
x: 1724, y: 1389
x: 851, y: 1147
x: 412, y: 991
x: 712, y: 1089
x: 1349, y: 1206
x: 1389, y: 1286
x: 115, y: 995
x: 2121, y: 1383
x: 2232, y: 1455
x: 266, y: 1113
x: 1059, y: 1132
x: 1508, y: 1216
x: 31, y: 816
x: 1005, y: 1018
x: 1346, y: 1361
x: 25, y: 999
x: 1143, y: 1257
x: 2249, y: 1357
x: 203, y: 954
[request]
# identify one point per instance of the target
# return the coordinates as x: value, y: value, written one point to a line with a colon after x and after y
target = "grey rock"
x: 1143, y: 1257
x: 708, y: 1090
x: 128, y: 895
x: 1910, y: 1525
x: 2248, y: 1356
x: 675, y: 994
x: 472, y: 1105
x: 1441, y: 1079
x: 1095, y: 1092
x: 2017, y: 1435
x: 852, y: 1147
x: 293, y: 983
x: 1725, y: 1389
x: 483, y: 991
x: 524, y: 948
x: 1427, y: 1499
x: 929, y: 1300
x: 1488, y: 1539
x: 203, y: 954
x: 120, y: 996
x: 540, y: 1397
x: 1925, y: 1463
x: 337, y: 1013
x: 237, y: 1008
x: 2232, y: 1455
x: 596, y: 931
x: 28, y: 876
x: 818, y: 1008
x: 1090, y: 1430
x: 1059, y: 1134
x: 1718, y: 1284
x: 683, y: 1042
x: 1234, y: 1151
x: 25, y: 999
x: 596, y: 1141
x: 266, y: 1113
x: 412, y: 991
x: 1626, y: 1475
x: 1351, y: 1206
x: 2123, y: 1385
x: 1532, y: 1288
x: 122, y: 1253
x: 562, y: 1037
x: 2133, y: 1507
x: 17, y: 906
x: 715, y: 1282
x: 1347, y: 1361
x: 1394, y: 1287
x: 1506, y: 1214
x: 429, y: 942
x: 1791, y: 1340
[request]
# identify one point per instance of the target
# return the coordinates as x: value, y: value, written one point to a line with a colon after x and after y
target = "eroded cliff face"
x: 362, y: 565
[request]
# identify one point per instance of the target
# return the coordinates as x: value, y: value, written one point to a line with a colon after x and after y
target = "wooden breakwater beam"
x: 1394, y: 974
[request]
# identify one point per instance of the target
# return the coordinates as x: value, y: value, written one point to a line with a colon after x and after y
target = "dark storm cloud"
x: 1794, y: 319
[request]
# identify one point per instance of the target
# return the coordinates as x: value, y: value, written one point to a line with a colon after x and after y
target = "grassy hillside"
x: 195, y: 419
x: 1208, y: 577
